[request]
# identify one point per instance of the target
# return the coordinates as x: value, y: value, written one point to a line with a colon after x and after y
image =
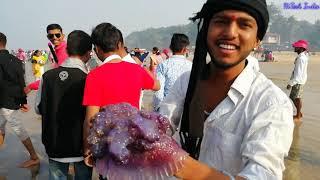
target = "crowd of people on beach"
x: 231, y: 119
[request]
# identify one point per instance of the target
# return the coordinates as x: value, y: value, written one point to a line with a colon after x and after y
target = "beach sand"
x: 303, y: 161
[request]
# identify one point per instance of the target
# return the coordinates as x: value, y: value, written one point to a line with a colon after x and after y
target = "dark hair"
x: 107, y: 37
x: 200, y: 70
x: 35, y: 52
x: 3, y: 39
x: 78, y: 43
x: 126, y: 49
x: 178, y: 42
x: 156, y: 49
x: 53, y: 26
x: 255, y: 8
x: 33, y: 61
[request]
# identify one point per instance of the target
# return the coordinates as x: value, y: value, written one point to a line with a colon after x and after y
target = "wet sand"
x: 302, y: 163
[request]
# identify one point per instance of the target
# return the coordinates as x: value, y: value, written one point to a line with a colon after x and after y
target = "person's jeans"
x: 59, y: 170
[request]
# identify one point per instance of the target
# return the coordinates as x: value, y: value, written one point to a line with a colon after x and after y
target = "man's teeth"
x: 226, y: 46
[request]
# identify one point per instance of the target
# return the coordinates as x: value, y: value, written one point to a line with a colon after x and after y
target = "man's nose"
x: 231, y: 30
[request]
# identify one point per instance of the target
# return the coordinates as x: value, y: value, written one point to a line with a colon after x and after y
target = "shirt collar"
x: 4, y: 51
x: 178, y: 56
x: 110, y: 58
x: 75, y: 63
x: 304, y: 53
x: 242, y: 84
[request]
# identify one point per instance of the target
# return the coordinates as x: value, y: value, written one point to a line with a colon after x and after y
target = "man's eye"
x: 245, y: 24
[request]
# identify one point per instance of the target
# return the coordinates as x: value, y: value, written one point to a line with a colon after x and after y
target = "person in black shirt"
x: 13, y: 98
x: 59, y: 101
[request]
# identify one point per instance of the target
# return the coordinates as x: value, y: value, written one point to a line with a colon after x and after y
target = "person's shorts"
x: 296, y: 91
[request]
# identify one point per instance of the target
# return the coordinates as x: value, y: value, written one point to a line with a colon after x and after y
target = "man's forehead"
x: 233, y: 15
x: 54, y: 31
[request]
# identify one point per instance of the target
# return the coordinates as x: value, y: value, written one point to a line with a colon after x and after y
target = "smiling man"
x: 234, y: 119
x: 56, y: 37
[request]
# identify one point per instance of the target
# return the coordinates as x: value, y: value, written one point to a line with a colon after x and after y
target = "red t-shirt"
x: 114, y: 83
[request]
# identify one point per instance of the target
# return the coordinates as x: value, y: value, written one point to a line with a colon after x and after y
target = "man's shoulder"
x: 304, y: 57
x: 126, y: 63
x: 182, y: 82
x: 132, y: 66
x: 188, y: 62
x: 8, y: 57
x: 96, y: 72
x: 62, y: 70
x: 177, y: 62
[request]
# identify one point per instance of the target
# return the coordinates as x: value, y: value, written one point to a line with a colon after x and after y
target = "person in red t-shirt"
x: 115, y: 81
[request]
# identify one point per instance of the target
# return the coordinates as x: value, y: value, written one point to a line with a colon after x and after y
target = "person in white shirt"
x: 235, y: 120
x: 126, y: 56
x: 169, y: 70
x: 299, y: 76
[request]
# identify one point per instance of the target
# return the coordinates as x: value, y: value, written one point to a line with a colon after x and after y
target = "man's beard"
x: 224, y: 66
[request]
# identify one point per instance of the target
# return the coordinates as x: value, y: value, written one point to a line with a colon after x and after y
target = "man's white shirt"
x: 249, y: 133
x: 299, y: 74
x: 129, y: 59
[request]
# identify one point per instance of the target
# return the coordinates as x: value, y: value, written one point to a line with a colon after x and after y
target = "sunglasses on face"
x: 51, y: 36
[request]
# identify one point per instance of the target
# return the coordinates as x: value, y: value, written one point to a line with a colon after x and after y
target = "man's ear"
x: 120, y: 45
x: 87, y: 56
x: 184, y: 50
x: 257, y: 43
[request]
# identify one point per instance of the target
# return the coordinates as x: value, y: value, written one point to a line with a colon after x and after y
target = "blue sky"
x: 24, y: 22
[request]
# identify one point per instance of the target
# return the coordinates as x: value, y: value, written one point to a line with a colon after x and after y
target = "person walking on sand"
x: 13, y: 98
x: 299, y: 76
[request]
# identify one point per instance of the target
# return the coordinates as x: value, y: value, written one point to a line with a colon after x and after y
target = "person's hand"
x: 88, y: 159
x: 90, y: 123
x: 24, y: 108
x: 288, y: 87
x: 191, y: 168
x: 151, y: 67
x: 27, y: 90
